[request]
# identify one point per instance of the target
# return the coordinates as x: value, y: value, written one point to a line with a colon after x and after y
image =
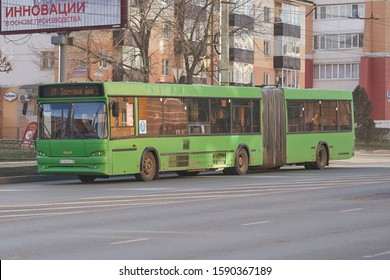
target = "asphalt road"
x: 338, y: 213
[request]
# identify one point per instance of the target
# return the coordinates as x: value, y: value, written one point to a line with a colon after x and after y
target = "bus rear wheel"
x: 148, y: 168
x: 86, y: 178
x: 321, y: 158
x: 241, y: 164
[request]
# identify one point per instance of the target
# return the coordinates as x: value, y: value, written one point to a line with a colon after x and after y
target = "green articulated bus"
x: 106, y: 129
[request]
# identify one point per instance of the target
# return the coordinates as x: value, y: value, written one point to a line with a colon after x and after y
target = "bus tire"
x: 149, y: 170
x: 308, y: 165
x: 241, y: 163
x: 86, y: 178
x: 321, y: 157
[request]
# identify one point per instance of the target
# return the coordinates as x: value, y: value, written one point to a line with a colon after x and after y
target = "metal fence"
x: 17, y: 150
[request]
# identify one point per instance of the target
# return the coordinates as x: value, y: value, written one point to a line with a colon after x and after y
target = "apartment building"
x: 350, y: 48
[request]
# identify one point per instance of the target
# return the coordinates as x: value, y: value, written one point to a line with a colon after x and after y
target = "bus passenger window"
x: 329, y: 115
x: 151, y: 116
x: 220, y: 111
x: 312, y: 116
x: 241, y: 116
x: 295, y: 116
x: 175, y: 116
x: 198, y: 115
x: 256, y: 115
x: 123, y: 125
x: 345, y: 115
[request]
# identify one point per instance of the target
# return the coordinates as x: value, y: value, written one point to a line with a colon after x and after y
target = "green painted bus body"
x: 302, y: 147
x: 110, y: 157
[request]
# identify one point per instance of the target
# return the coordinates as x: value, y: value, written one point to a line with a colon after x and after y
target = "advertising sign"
x: 28, y: 136
x: 31, y: 16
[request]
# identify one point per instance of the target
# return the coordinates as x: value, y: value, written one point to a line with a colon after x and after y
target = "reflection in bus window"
x: 241, y: 116
x: 85, y: 120
x: 345, y: 115
x: 329, y: 115
x: 151, y: 113
x: 312, y: 116
x: 123, y: 125
x: 175, y: 116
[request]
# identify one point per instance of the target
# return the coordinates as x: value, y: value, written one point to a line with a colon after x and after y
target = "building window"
x: 287, y: 78
x: 165, y: 67
x: 103, y: 60
x: 290, y: 14
x: 344, y: 11
x: 242, y: 73
x: 244, y: 7
x: 267, y: 78
x: 340, y: 41
x: 267, y: 14
x: 47, y: 60
x: 165, y: 31
x: 336, y: 71
x: 267, y: 48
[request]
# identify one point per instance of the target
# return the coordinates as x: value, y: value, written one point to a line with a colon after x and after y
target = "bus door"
x: 274, y: 127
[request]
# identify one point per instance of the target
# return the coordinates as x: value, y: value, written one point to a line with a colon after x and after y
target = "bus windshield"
x: 87, y: 120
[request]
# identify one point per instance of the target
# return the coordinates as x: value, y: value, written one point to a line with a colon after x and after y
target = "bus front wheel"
x: 148, y: 168
x: 241, y: 165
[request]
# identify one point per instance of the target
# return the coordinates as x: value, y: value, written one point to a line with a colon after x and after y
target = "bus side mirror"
x: 25, y: 107
x: 115, y: 109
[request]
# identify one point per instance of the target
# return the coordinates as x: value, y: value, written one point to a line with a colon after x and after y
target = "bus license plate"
x: 67, y: 161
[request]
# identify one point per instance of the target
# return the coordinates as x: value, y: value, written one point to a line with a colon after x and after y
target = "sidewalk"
x: 26, y: 178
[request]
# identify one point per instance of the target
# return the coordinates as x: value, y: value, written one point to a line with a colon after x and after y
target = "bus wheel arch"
x: 241, y: 160
x: 149, y: 165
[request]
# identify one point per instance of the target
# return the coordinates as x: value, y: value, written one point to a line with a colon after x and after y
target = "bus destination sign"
x: 64, y: 91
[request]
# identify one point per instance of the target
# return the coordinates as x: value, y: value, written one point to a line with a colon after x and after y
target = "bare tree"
x: 5, y: 65
x: 144, y: 16
x: 196, y: 24
x: 193, y: 24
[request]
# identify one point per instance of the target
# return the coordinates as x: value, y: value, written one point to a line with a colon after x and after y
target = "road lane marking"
x: 256, y: 223
x: 129, y: 241
x: 377, y: 255
x: 351, y: 210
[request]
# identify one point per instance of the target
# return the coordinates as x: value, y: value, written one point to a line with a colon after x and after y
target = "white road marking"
x: 377, y: 255
x: 129, y: 241
x: 351, y: 210
x: 256, y: 223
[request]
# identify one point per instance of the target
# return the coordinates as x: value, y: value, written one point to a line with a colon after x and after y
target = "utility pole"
x: 63, y: 41
x: 224, y: 26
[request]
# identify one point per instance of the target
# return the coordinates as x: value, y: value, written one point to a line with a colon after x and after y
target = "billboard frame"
x: 122, y: 23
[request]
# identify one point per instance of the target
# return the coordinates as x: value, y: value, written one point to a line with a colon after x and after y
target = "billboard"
x: 32, y: 16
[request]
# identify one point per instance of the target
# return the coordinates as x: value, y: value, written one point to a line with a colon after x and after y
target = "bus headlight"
x: 41, y: 154
x: 97, y: 154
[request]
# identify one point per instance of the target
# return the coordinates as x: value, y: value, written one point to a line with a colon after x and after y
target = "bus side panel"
x: 303, y: 147
x: 126, y: 156
x: 185, y: 153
